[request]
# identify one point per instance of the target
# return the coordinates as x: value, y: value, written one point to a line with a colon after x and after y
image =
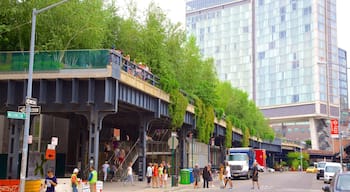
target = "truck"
x: 241, y: 161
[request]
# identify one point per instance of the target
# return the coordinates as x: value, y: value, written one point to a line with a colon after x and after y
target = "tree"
x: 77, y: 24
x: 294, y: 160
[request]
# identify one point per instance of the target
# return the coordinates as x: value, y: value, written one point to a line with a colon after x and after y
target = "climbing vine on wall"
x: 246, y: 135
x: 228, y: 139
x: 177, y: 108
x: 205, y: 120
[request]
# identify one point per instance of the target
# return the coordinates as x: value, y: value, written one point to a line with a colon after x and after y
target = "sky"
x: 175, y: 10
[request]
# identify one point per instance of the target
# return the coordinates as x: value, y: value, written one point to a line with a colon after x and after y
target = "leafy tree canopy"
x: 151, y: 39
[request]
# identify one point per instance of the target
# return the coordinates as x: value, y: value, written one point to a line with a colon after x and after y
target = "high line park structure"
x: 84, y: 96
x: 280, y: 53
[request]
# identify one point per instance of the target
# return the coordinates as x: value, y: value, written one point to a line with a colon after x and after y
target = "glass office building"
x: 284, y: 53
x: 343, y: 80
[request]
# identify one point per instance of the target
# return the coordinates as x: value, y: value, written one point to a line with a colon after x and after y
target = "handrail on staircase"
x: 131, y: 150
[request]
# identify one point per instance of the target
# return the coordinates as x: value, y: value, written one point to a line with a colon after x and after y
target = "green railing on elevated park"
x: 16, y: 61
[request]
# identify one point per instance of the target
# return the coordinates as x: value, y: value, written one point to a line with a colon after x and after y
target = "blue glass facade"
x: 343, y: 80
x: 280, y: 52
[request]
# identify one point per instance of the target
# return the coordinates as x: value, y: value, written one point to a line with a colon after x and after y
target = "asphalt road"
x: 269, y: 182
x: 279, y: 182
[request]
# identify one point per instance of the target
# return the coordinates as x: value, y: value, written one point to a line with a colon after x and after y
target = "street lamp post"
x: 29, y: 94
x: 301, y: 158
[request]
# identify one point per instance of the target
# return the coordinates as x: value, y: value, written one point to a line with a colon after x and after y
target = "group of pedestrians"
x: 225, y: 176
x: 157, y: 175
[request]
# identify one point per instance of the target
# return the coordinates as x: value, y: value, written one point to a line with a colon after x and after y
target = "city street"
x: 272, y: 182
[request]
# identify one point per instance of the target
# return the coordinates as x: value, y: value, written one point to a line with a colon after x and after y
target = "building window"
x: 282, y: 34
x: 294, y: 6
x: 245, y: 29
x: 295, y: 64
x: 283, y: 10
x: 273, y: 29
x: 307, y: 27
x: 283, y: 18
x: 272, y: 45
x: 261, y: 2
x: 295, y: 98
x: 261, y: 55
x: 307, y: 11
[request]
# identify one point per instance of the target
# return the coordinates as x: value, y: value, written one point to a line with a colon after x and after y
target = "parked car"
x: 329, y: 170
x: 271, y: 170
x: 311, y: 169
x: 340, y: 183
x: 320, y: 169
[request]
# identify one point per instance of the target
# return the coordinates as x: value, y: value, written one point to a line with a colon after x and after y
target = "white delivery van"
x: 329, y: 170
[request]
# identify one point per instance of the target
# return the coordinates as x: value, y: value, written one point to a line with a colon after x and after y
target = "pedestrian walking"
x: 165, y: 177
x: 112, y: 171
x: 155, y: 176
x: 149, y: 174
x: 255, y: 171
x: 160, y: 175
x: 221, y: 175
x: 105, y: 169
x: 228, y: 175
x: 74, y: 180
x: 92, y: 179
x: 206, y: 176
x: 50, y: 181
x: 211, y: 176
x: 196, y: 176
x: 129, y: 173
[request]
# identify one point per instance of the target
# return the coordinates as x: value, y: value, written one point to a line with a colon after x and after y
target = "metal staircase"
x: 131, y: 157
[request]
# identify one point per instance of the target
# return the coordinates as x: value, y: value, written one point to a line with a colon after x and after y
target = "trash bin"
x: 191, y: 175
x: 185, y: 176
x: 174, y: 180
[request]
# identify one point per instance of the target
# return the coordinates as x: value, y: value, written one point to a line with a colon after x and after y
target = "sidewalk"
x: 64, y: 186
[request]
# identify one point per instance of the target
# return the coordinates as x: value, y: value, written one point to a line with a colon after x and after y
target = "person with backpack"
x: 74, y: 180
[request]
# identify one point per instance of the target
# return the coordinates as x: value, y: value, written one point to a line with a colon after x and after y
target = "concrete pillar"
x: 13, y: 149
x: 183, y: 148
x: 144, y: 126
x: 142, y: 152
x: 94, y: 137
x: 313, y: 134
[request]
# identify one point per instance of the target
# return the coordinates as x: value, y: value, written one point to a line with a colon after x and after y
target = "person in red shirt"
x: 155, y: 176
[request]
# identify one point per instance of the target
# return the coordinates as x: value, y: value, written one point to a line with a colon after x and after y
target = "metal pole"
x: 172, y: 162
x: 29, y: 95
x: 301, y: 158
x: 341, y: 149
x: 192, y: 150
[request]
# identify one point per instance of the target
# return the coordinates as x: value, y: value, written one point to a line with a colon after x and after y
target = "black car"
x: 339, y: 183
x: 320, y: 169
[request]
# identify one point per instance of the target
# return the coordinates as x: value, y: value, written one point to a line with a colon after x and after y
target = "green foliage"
x: 151, y: 39
x: 76, y: 24
x: 294, y: 160
x: 205, y: 120
x: 246, y: 136
x: 177, y: 109
x: 228, y: 136
x: 243, y: 113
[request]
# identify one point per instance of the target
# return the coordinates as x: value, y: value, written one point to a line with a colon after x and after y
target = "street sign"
x: 15, y: 115
x: 31, y: 101
x: 334, y: 127
x: 173, y: 142
x: 34, y: 110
